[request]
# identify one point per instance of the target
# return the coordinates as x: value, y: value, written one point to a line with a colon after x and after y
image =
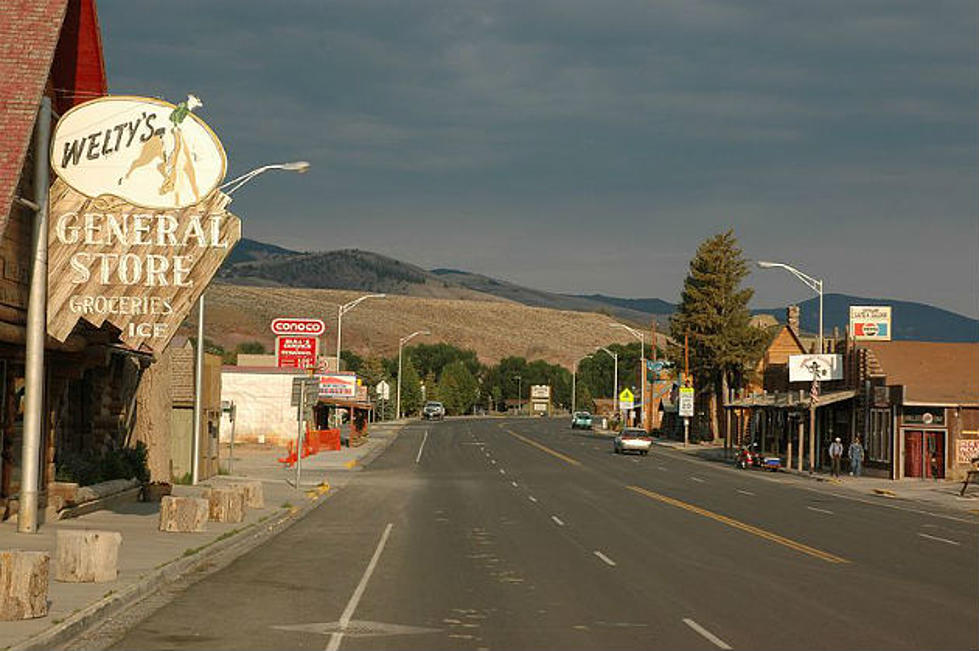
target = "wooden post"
x: 85, y: 556
x: 183, y: 514
x: 23, y: 584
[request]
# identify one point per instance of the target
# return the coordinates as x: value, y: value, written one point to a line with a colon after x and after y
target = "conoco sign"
x: 137, y: 226
x: 298, y: 326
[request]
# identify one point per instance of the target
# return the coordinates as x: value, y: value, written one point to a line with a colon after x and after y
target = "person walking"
x: 835, y: 453
x: 856, y: 457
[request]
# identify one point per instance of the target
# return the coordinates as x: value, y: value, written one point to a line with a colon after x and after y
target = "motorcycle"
x: 749, y: 456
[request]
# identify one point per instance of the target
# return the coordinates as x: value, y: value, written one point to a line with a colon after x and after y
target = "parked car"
x: 581, y: 420
x: 433, y: 411
x: 632, y: 439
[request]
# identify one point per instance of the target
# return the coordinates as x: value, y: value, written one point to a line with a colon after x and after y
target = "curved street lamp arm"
x: 354, y: 303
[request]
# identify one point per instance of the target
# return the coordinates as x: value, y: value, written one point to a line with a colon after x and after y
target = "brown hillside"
x: 493, y: 329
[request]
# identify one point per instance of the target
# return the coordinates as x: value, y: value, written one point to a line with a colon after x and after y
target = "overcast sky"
x: 589, y: 146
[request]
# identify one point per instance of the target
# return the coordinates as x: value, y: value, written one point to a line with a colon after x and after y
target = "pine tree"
x: 411, y: 388
x: 713, y: 313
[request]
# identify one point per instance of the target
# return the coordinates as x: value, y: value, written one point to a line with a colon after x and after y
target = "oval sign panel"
x: 145, y: 151
x: 298, y: 326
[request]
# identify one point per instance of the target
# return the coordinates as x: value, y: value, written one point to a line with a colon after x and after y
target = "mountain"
x: 345, y: 269
x: 258, y: 264
x: 909, y: 320
x: 538, y: 298
x: 250, y: 250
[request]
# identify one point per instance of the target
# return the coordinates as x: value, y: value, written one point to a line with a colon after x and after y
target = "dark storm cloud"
x: 589, y: 146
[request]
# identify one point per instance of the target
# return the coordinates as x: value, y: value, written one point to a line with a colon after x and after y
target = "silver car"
x: 632, y: 439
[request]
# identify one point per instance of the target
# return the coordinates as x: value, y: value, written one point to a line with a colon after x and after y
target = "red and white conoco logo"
x: 297, y: 326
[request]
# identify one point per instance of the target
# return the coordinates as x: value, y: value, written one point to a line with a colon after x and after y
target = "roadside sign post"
x: 686, y: 411
x: 303, y: 389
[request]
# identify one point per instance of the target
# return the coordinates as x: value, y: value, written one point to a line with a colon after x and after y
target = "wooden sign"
x: 142, y: 270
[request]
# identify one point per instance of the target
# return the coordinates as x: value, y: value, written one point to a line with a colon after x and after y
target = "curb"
x: 237, y: 544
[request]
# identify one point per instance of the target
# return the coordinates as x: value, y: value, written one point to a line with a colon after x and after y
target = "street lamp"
x: 343, y: 309
x: 401, y: 344
x: 300, y: 167
x: 813, y: 284
x: 615, y: 380
x: 641, y: 336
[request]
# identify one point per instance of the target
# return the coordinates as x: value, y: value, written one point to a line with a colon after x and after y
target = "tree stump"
x: 86, y: 556
x: 23, y: 584
x: 183, y: 514
x: 251, y: 492
x: 226, y: 505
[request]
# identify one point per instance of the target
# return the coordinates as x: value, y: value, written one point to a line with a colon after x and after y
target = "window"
x: 878, y: 443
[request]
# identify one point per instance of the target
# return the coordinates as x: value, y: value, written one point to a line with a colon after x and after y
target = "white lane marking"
x: 716, y: 641
x: 348, y: 612
x: 557, y: 521
x: 532, y: 498
x: 818, y: 510
x: 493, y: 461
x: 944, y: 540
x: 606, y: 559
x: 502, y: 471
x: 692, y: 478
x: 661, y: 467
x: 746, y: 492
x: 514, y: 484
x: 421, y: 447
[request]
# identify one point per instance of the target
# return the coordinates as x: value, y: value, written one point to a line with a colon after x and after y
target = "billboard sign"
x: 138, y: 226
x: 870, y: 323
x: 296, y: 352
x: 338, y: 385
x: 827, y: 368
x: 540, y: 392
x: 298, y: 326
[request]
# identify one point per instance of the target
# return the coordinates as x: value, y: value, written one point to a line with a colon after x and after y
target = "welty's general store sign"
x: 137, y: 226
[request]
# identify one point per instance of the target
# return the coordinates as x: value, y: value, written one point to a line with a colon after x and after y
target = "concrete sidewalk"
x: 149, y: 558
x: 941, y: 494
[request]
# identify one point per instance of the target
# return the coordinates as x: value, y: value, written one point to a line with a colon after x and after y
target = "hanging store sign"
x: 124, y: 250
x: 540, y: 392
x: 870, y: 323
x: 145, y: 151
x: 806, y: 368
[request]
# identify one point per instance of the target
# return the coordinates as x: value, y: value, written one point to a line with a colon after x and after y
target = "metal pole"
x: 519, y: 395
x: 642, y: 390
x: 812, y: 438
x: 398, y: 410
x: 198, y: 392
x: 574, y: 386
x: 36, y: 331
x: 299, y: 430
x: 234, y: 420
x: 686, y: 431
x: 339, y: 326
x: 615, y: 382
x: 821, y: 351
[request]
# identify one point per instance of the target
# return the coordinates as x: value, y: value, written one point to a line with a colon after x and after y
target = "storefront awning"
x: 790, y: 400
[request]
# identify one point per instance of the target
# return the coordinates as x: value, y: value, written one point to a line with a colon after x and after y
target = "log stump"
x: 227, y: 505
x: 183, y: 514
x: 86, y: 556
x: 251, y: 492
x: 23, y: 584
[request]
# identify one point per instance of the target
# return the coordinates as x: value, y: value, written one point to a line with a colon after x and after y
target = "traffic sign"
x: 383, y: 390
x: 626, y: 399
x: 686, y: 402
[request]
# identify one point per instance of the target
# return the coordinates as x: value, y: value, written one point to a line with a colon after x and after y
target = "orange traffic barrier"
x: 315, y: 441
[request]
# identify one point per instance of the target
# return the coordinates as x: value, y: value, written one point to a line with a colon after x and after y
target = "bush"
x: 88, y: 467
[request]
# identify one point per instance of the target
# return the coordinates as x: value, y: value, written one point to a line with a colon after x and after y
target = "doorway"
x: 924, y: 454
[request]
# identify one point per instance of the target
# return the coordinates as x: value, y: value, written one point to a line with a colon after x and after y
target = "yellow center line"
x: 731, y: 522
x: 544, y: 448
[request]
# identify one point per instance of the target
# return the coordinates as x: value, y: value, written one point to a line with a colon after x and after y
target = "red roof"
x: 30, y: 34
x: 935, y: 373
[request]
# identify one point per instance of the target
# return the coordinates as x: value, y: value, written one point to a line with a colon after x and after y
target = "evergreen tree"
x: 411, y: 388
x: 458, y: 388
x: 713, y: 313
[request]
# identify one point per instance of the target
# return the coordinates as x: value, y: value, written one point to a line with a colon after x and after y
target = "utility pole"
x: 36, y: 330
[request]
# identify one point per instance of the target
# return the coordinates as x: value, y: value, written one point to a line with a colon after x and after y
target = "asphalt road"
x: 521, y: 534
